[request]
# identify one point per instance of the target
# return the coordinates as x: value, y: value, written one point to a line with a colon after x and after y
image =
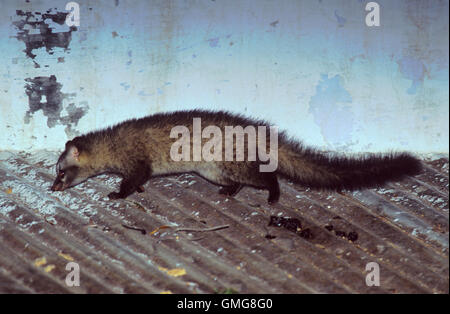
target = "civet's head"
x: 71, y: 168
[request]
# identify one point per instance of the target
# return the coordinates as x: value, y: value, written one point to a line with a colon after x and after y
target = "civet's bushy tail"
x: 324, y: 171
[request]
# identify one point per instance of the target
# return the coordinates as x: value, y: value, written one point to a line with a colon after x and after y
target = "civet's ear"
x: 73, y: 155
x: 69, y: 143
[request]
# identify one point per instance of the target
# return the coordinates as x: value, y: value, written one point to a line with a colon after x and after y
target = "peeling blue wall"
x: 311, y: 67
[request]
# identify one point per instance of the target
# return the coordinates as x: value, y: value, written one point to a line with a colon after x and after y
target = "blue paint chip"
x: 340, y: 19
x: 125, y: 85
x: 144, y: 94
x: 214, y: 42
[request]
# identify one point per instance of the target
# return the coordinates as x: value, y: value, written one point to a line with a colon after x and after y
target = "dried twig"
x: 138, y: 205
x: 143, y: 231
x: 203, y: 230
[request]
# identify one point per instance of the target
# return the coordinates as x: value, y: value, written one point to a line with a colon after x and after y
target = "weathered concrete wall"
x: 311, y: 67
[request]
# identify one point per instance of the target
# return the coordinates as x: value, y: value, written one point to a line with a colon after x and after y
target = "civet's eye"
x: 61, y: 174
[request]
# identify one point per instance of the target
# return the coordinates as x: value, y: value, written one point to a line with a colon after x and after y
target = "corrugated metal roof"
x: 404, y: 227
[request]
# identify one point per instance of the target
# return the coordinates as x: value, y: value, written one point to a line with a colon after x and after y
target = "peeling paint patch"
x: 36, y: 33
x: 274, y: 23
x: 412, y: 69
x: 340, y: 19
x: 44, y: 93
x: 73, y: 117
x: 331, y: 111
